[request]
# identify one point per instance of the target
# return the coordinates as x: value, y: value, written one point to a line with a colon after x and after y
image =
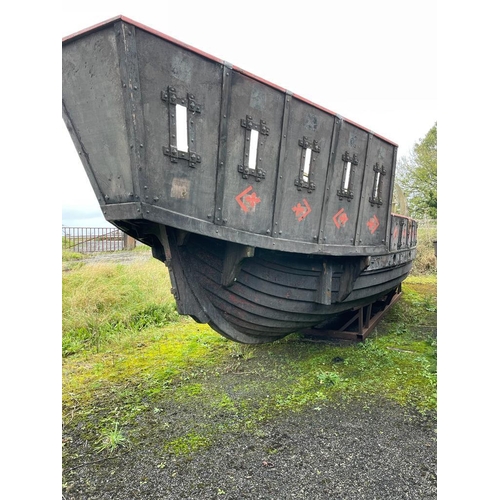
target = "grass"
x: 425, y: 262
x: 128, y: 357
x: 105, y: 302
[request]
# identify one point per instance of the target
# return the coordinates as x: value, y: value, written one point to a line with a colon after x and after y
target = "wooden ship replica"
x: 273, y: 214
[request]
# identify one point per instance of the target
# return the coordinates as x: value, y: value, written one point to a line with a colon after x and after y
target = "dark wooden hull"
x: 273, y: 293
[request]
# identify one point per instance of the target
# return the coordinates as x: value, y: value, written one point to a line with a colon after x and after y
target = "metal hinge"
x: 250, y: 148
x: 306, y: 173
x: 380, y: 171
x: 171, y: 98
x: 346, y: 189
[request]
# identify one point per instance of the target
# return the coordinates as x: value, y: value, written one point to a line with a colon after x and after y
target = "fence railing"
x: 105, y: 239
x: 96, y: 239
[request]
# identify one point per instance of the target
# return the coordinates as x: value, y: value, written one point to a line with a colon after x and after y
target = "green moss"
x: 187, y: 444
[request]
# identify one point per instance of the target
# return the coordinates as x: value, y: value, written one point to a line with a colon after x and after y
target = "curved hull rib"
x: 265, y: 303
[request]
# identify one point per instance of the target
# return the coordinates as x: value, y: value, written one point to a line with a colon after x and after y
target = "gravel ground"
x: 373, y: 450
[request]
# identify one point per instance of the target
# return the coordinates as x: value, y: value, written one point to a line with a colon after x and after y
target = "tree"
x: 417, y: 176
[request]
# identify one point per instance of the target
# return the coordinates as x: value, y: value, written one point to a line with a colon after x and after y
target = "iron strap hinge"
x: 172, y: 100
x: 375, y: 198
x: 246, y: 169
x: 306, y: 172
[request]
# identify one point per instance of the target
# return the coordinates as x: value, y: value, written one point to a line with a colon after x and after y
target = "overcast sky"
x: 371, y: 62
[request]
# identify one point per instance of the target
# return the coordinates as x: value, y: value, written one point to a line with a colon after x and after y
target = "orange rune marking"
x: 340, y: 218
x: 373, y: 224
x: 247, y: 201
x: 302, y: 212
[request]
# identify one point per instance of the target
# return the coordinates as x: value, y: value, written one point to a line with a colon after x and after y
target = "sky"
x: 374, y: 63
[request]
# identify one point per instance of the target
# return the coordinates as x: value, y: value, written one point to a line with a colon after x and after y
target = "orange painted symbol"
x: 302, y: 212
x: 340, y: 218
x: 373, y: 224
x: 247, y: 201
x: 395, y: 233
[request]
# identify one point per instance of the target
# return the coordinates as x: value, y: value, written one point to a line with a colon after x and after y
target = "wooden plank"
x: 362, y: 317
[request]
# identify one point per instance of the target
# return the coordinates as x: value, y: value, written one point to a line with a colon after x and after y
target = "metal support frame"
x: 362, y: 321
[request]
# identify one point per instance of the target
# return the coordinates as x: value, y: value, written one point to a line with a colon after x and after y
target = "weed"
x: 111, y: 439
x: 328, y: 378
x: 241, y: 351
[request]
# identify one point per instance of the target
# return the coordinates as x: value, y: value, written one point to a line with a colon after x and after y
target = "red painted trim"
x: 220, y: 61
x: 85, y: 31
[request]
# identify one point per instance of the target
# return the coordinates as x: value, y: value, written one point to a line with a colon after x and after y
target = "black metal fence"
x: 106, y: 239
x: 95, y: 239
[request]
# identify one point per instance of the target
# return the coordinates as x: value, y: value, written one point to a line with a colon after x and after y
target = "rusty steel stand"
x: 363, y: 320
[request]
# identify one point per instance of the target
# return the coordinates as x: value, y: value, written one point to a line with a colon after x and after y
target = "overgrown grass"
x: 103, y: 302
x: 128, y: 355
x: 425, y: 261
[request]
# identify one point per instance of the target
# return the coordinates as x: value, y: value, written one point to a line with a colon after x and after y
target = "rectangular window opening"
x: 181, y: 128
x: 307, y: 165
x: 254, y: 142
x: 347, y: 176
x: 376, y: 186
